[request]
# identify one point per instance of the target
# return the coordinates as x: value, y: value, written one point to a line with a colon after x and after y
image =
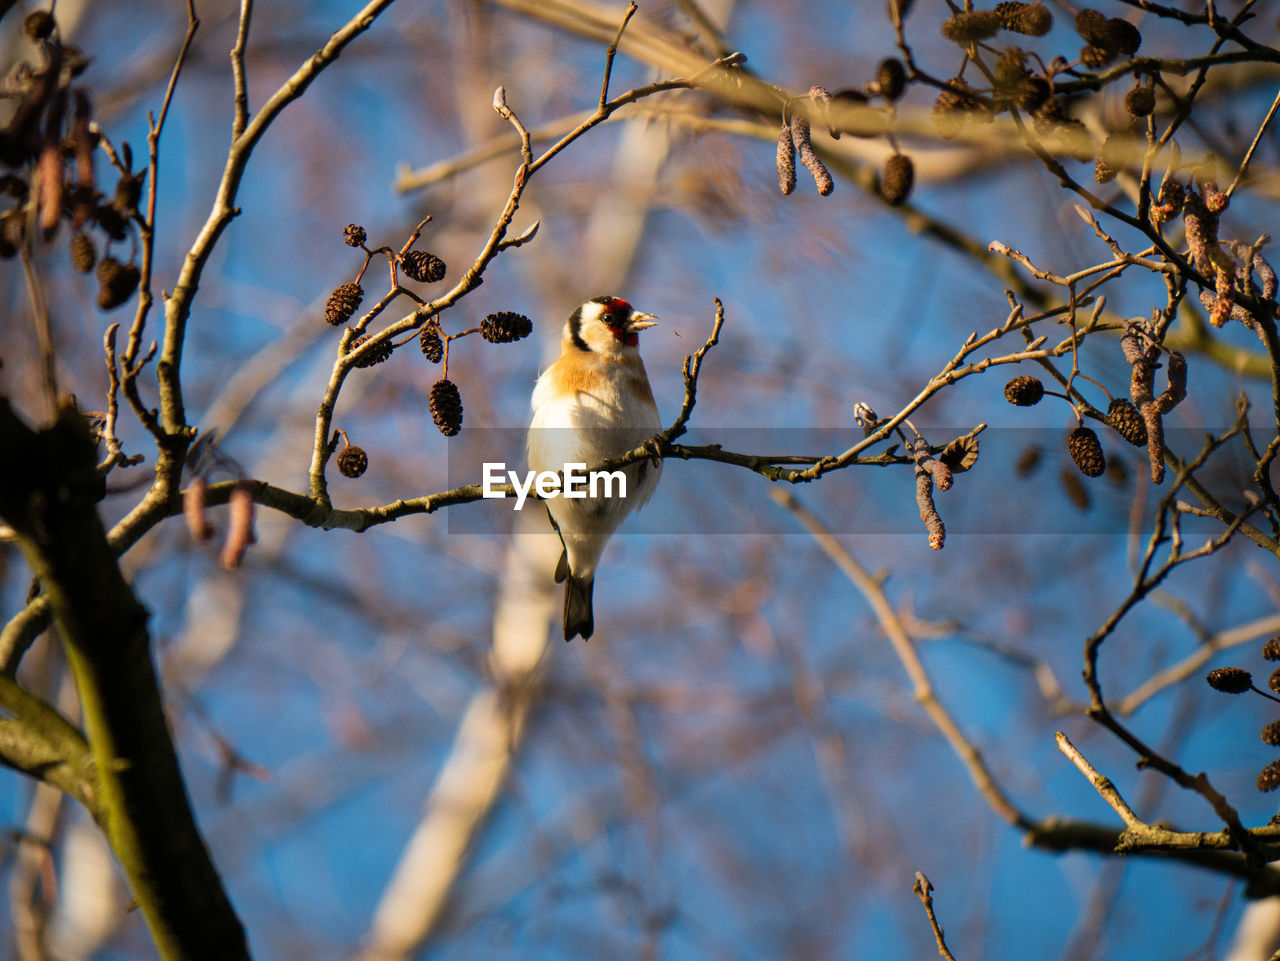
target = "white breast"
x: 586, y: 426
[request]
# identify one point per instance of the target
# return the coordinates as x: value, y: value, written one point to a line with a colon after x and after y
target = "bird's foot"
x: 657, y: 448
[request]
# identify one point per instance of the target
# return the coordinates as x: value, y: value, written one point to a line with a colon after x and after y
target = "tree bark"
x: 48, y: 495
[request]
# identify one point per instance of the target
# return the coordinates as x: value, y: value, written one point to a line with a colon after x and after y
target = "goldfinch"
x: 591, y: 404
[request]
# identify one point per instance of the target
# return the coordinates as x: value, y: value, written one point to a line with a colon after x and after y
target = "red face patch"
x: 628, y: 337
x: 616, y: 312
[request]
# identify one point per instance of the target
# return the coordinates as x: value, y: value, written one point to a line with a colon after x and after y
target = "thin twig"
x: 1190, y: 664
x: 241, y: 119
x: 922, y: 691
x: 147, y: 229
x: 923, y: 890
x: 1257, y: 138
x: 611, y: 52
x: 1101, y: 784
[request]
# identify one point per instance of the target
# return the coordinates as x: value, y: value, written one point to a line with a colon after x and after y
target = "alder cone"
x: 505, y: 326
x: 116, y: 283
x: 353, y: 235
x: 1086, y: 452
x: 375, y: 355
x: 83, y: 253
x: 431, y: 344
x: 352, y: 461
x: 423, y: 267
x: 897, y: 179
x: 1229, y: 680
x: 891, y: 77
x: 1269, y: 777
x: 1024, y: 391
x: 1140, y: 101
x: 1124, y: 417
x: 342, y: 303
x: 1031, y: 19
x: 446, y: 407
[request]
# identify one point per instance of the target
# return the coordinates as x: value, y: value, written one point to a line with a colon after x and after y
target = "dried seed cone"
x: 375, y: 355
x: 786, y: 160
x: 431, y: 344
x: 1103, y: 172
x: 83, y: 253
x: 1086, y: 452
x: 1074, y: 488
x: 425, y: 268
x: 1128, y: 423
x: 1269, y: 777
x: 505, y: 326
x: 965, y: 28
x: 1273, y: 681
x: 1094, y: 56
x: 113, y: 223
x: 1031, y: 93
x: 1122, y: 36
x: 342, y: 303
x: 891, y: 78
x: 1031, y: 19
x: 128, y: 192
x: 1114, y: 35
x: 953, y: 106
x: 353, y: 235
x: 1229, y: 680
x: 895, y: 183
x: 1024, y: 391
x: 38, y: 25
x: 352, y: 461
x: 446, y: 407
x: 1011, y: 68
x: 1048, y: 117
x: 1091, y: 25
x: 1066, y: 134
x: 1113, y: 151
x: 1271, y: 649
x: 116, y: 283
x: 1271, y: 734
x: 948, y: 113
x: 1027, y: 461
x: 1140, y: 101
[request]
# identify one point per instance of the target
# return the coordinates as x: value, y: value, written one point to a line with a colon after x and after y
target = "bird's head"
x: 606, y: 325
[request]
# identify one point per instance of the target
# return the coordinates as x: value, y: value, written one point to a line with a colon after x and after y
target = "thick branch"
x: 141, y: 801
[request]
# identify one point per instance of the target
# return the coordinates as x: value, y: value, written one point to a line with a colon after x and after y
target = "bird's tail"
x: 578, y: 617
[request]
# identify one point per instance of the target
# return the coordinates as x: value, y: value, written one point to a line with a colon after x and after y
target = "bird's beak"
x: 640, y: 321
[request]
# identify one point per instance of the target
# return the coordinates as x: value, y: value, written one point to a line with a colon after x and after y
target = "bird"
x: 593, y: 403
